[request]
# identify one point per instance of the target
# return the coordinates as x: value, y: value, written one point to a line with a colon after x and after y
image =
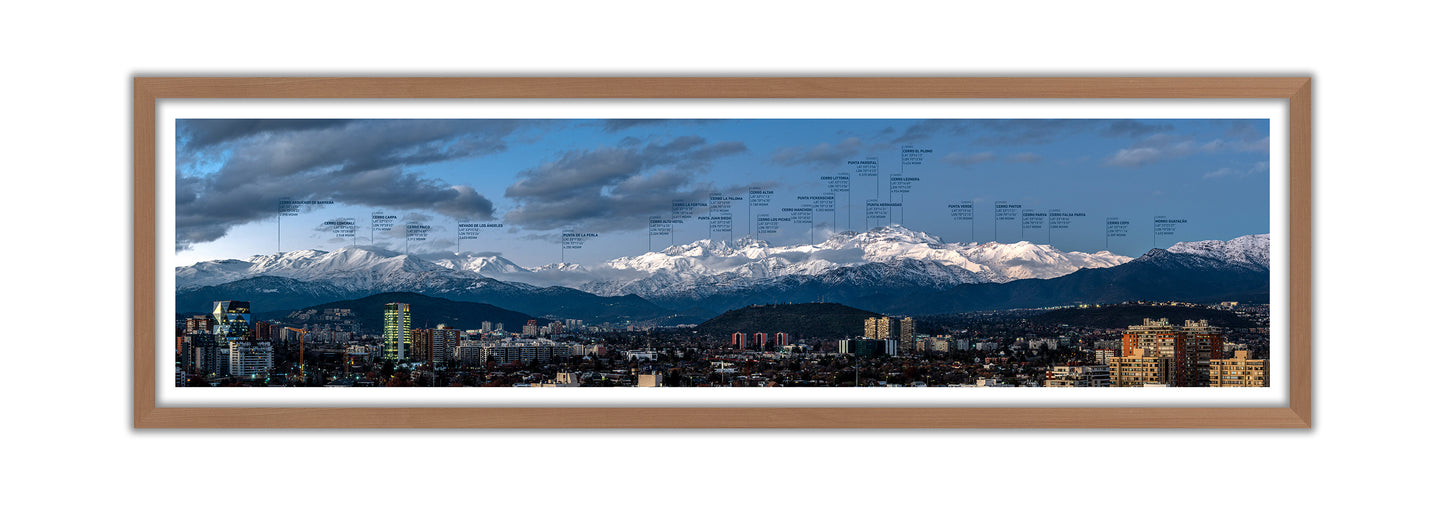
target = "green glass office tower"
x: 396, y: 331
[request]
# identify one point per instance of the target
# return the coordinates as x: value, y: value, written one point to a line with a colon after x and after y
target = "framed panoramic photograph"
x: 722, y: 252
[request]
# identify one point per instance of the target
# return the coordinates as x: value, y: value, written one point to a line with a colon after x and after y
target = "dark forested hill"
x: 427, y: 312
x: 816, y: 319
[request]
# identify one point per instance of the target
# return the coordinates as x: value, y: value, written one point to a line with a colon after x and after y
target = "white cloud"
x: 1161, y: 147
x: 1257, y: 167
x: 1221, y: 172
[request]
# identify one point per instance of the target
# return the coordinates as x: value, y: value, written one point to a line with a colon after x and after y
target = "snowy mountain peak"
x: 710, y: 265
x: 748, y: 242
x: 705, y: 247
x: 1249, y: 250
x: 562, y: 267
x: 889, y: 233
x: 360, y: 266
x: 706, y: 262
x: 287, y: 258
x: 486, y: 265
x: 884, y: 256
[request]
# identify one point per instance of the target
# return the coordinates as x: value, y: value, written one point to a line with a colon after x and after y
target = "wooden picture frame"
x: 148, y: 90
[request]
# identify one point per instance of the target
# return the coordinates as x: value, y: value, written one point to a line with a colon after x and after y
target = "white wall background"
x: 67, y: 282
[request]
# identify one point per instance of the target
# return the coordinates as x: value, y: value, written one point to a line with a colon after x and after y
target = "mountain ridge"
x: 920, y: 278
x: 696, y: 268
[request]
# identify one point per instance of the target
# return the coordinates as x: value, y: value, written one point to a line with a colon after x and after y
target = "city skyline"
x: 1033, y: 348
x: 590, y: 189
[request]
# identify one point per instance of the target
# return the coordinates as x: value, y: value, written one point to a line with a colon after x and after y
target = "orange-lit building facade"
x: 1188, y: 348
x: 1239, y: 371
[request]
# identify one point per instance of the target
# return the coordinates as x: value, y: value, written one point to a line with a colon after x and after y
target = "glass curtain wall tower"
x: 396, y: 331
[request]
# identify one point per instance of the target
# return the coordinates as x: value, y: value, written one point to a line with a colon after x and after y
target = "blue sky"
x: 533, y: 181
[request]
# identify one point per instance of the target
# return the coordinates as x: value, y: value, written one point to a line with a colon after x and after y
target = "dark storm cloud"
x: 618, y: 125
x: 337, y: 224
x: 819, y: 154
x: 586, y: 171
x: 1030, y: 131
x: 615, y: 188
x: 361, y: 162
x: 996, y: 131
x: 467, y: 203
x: 1134, y: 128
x: 362, y: 146
x: 1241, y: 129
x: 207, y: 215
x: 199, y: 134
x: 1044, y: 131
x: 1023, y: 131
x: 925, y: 129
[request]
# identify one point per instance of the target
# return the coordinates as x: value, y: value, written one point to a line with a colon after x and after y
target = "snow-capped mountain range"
x: 885, y: 269
x: 915, y: 258
x: 1250, y: 251
x: 357, y: 268
x: 884, y: 256
x: 678, y: 269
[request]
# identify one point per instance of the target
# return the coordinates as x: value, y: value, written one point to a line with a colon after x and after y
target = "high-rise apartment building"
x: 740, y: 340
x: 780, y: 339
x: 396, y: 331
x: 263, y: 331
x: 944, y: 344
x: 250, y: 358
x: 207, y: 358
x: 905, y: 335
x: 1102, y: 356
x: 878, y: 328
x: 199, y: 324
x: 185, y: 353
x: 434, y: 346
x: 1189, y: 348
x: 1239, y: 371
x: 760, y: 340
x: 477, y: 353
x: 1079, y: 376
x: 1139, y: 369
